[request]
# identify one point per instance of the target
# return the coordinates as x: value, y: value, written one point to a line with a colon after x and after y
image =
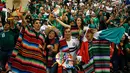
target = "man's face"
x: 89, y: 36
x: 37, y: 25
x: 6, y: 27
x: 67, y: 32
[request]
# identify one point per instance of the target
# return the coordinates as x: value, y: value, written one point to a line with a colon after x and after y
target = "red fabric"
x: 60, y: 69
x: 120, y: 52
x: 111, y: 52
x: 84, y: 52
x: 111, y: 49
x: 1, y: 7
x: 63, y: 45
x: 81, y: 72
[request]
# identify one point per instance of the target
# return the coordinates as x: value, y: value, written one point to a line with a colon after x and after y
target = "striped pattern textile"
x: 51, y: 55
x: 75, y: 31
x: 63, y: 45
x: 99, y: 62
x: 27, y: 57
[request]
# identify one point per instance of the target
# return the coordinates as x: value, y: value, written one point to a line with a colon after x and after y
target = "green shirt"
x: 7, y: 40
x: 97, y: 11
x: 127, y: 46
x: 85, y: 21
x: 96, y: 22
x: 61, y: 11
x: 92, y: 26
x: 88, y: 18
x: 35, y: 16
x: 112, y: 25
x: 44, y: 17
x: 127, y: 27
x: 3, y: 0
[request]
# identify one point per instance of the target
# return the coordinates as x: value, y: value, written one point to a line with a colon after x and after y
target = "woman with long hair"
x: 52, y: 45
x: 76, y: 30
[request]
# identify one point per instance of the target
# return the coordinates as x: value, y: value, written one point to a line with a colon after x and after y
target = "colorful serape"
x: 99, y: 53
x: 63, y: 45
x: 27, y: 57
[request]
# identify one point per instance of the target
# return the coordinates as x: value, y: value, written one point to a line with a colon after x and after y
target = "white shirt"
x: 88, y: 13
x: 74, y: 42
x: 109, y: 9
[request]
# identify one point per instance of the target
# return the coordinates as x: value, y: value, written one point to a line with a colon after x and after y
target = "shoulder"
x: 56, y: 40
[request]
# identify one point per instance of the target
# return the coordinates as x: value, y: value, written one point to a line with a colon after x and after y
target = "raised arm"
x: 63, y: 24
x: 11, y: 23
x: 24, y: 23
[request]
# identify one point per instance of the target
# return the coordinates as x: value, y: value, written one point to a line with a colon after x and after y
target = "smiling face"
x: 51, y: 35
x: 79, y: 22
x: 67, y: 33
x: 37, y: 25
x: 89, y: 36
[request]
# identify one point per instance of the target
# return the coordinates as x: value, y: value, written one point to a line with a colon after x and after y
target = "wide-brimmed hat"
x: 52, y: 28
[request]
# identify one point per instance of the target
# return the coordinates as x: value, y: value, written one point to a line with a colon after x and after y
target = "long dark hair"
x: 82, y: 23
x: 47, y: 38
x: 49, y: 42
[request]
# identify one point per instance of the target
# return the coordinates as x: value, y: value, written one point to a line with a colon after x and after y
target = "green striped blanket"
x: 99, y: 53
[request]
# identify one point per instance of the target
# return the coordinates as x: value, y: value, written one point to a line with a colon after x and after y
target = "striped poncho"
x: 99, y: 53
x: 27, y: 57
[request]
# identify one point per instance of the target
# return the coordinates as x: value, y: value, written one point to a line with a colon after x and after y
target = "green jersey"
x: 127, y: 27
x: 7, y: 40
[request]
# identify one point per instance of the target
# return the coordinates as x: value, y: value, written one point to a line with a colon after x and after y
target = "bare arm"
x: 55, y: 49
x: 24, y: 23
x: 110, y: 18
x: 12, y: 24
x: 63, y: 24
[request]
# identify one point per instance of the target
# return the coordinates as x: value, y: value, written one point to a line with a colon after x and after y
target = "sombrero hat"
x: 52, y: 28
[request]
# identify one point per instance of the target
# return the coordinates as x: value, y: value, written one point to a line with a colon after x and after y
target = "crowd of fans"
x: 34, y: 40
